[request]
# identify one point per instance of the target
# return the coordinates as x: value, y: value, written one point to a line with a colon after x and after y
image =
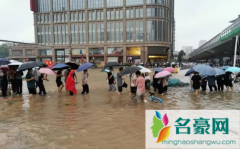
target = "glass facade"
x: 45, y: 52
x: 130, y: 31
x: 61, y: 35
x: 113, y: 14
x: 96, y: 32
x: 157, y: 11
x: 114, y: 3
x: 44, y: 35
x: 59, y: 5
x: 78, y: 33
x: 114, y: 32
x: 43, y: 18
x: 43, y: 6
x: 134, y: 2
x: 95, y: 4
x: 161, y: 2
x: 77, y: 4
x: 158, y: 30
x: 60, y: 17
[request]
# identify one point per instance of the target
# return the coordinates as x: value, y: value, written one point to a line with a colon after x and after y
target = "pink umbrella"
x: 46, y: 71
x: 169, y: 69
x: 162, y: 74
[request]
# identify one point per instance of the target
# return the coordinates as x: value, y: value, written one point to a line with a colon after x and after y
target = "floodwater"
x: 99, y: 120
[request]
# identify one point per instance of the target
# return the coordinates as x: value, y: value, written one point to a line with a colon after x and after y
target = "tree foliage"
x: 180, y: 55
x: 4, y: 49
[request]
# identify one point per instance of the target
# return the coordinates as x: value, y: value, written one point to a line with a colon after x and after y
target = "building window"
x: 157, y: 11
x: 48, y: 35
x: 115, y: 50
x: 45, y: 52
x: 17, y: 52
x: 114, y: 3
x: 92, y: 33
x: 91, y: 15
x: 77, y: 4
x: 81, y: 16
x: 40, y: 35
x: 139, y: 30
x: 60, y: 17
x: 43, y: 18
x: 61, y: 34
x: 43, y: 6
x: 95, y: 3
x: 157, y: 30
x: 74, y: 34
x: 74, y: 16
x: 59, y: 5
x: 100, y: 32
x: 134, y: 2
x: 30, y: 52
x: 100, y: 15
x: 82, y: 33
x: 129, y: 13
x: 130, y: 31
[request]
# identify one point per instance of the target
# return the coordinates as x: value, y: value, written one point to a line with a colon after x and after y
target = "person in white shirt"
x: 132, y: 82
x: 85, y: 82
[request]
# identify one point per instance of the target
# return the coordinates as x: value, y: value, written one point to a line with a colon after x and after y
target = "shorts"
x: 32, y: 91
x: 120, y: 89
x: 59, y: 83
x: 133, y: 90
x: 229, y: 83
x: 140, y: 95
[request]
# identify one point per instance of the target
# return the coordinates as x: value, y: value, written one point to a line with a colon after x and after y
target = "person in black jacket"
x: 220, y: 83
x: 18, y: 79
x: 4, y: 84
x: 155, y: 80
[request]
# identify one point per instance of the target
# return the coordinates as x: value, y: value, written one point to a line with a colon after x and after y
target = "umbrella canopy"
x: 13, y: 61
x: 184, y: 67
x: 84, y: 66
x: 105, y: 70
x: 130, y: 70
x: 157, y: 69
x: 233, y: 69
x: 30, y: 65
x: 111, y: 64
x: 219, y: 72
x: 140, y: 67
x: 15, y: 64
x: 46, y: 71
x: 60, y: 66
x: 162, y: 74
x: 73, y: 66
x: 205, y: 70
x: 225, y: 67
x: 189, y: 72
x: 4, y: 61
x: 169, y: 69
x: 145, y: 70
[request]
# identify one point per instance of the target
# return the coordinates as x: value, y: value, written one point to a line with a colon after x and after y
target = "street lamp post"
x: 235, y: 52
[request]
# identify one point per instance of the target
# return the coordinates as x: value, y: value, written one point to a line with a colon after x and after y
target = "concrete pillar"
x: 53, y: 55
x: 142, y: 56
x: 87, y: 54
x: 146, y: 54
x: 105, y: 53
x: 124, y: 54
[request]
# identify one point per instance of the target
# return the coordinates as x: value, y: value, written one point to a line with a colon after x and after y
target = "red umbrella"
x: 4, y: 68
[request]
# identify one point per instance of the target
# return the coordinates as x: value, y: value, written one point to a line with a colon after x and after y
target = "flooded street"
x: 99, y: 120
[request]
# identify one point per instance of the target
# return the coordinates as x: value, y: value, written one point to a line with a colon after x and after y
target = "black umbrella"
x: 72, y: 65
x: 111, y: 64
x: 30, y: 65
x: 184, y: 67
x: 130, y: 70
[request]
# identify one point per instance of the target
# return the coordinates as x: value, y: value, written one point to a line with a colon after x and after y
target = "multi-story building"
x: 99, y: 30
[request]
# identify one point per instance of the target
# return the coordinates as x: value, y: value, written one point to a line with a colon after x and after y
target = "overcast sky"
x: 195, y: 20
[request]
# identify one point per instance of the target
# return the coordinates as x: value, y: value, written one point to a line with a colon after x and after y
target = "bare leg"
x: 61, y: 88
x: 232, y: 88
x: 227, y: 88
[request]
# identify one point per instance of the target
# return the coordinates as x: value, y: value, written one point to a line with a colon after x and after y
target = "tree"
x: 180, y: 56
x: 4, y: 50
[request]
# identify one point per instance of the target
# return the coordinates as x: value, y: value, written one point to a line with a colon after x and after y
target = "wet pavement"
x: 99, y: 120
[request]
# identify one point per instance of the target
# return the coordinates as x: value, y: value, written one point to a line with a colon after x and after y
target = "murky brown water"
x: 99, y: 120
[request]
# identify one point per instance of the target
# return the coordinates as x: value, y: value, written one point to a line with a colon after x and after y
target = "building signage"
x: 231, y: 31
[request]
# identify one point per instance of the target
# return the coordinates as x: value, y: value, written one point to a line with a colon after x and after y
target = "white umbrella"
x: 145, y: 70
x: 13, y: 61
x: 15, y: 64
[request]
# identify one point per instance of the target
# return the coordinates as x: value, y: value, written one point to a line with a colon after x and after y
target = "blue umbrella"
x: 105, y: 70
x: 220, y: 72
x: 141, y: 67
x: 4, y: 61
x: 233, y: 69
x: 84, y: 66
x: 205, y: 70
x: 60, y: 66
x: 157, y: 69
x: 189, y: 72
x: 225, y: 67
